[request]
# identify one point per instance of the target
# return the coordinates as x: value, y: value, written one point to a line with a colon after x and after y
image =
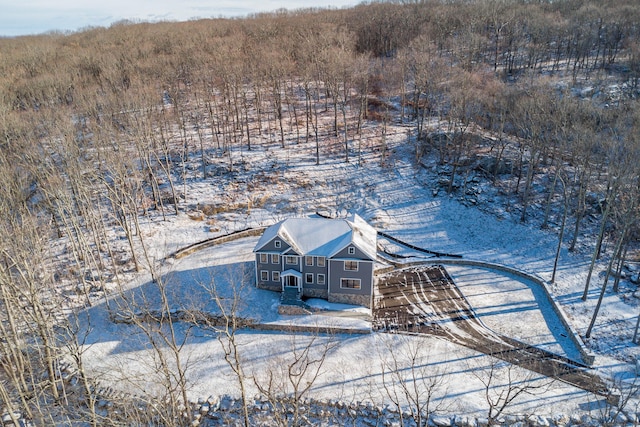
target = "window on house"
x: 263, y: 258
x: 264, y: 275
x: 350, y: 283
x: 308, y: 260
x: 351, y: 265
x: 277, y: 244
x: 291, y: 259
x: 320, y: 279
x: 320, y: 261
x: 308, y: 278
x: 352, y: 250
x: 275, y: 259
x: 275, y: 276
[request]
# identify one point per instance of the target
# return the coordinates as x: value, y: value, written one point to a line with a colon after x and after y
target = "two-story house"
x: 324, y: 258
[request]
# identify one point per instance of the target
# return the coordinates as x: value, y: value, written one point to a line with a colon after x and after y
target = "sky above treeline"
x: 24, y: 17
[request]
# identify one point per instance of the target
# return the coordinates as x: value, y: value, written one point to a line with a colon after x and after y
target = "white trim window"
x: 308, y: 278
x: 275, y: 276
x: 351, y: 266
x: 264, y: 275
x: 351, y: 250
x: 308, y: 261
x: 320, y: 261
x: 277, y: 244
x: 275, y: 259
x: 264, y: 258
x: 289, y: 259
x: 320, y: 279
x: 350, y: 284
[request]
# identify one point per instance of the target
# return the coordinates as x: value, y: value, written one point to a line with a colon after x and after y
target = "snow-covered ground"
x: 515, y: 307
x: 397, y: 197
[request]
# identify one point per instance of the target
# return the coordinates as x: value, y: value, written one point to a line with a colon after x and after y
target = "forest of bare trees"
x: 96, y: 127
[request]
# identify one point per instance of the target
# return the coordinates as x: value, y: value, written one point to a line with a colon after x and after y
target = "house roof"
x: 321, y: 236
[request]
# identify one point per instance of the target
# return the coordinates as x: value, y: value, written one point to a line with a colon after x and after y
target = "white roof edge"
x: 291, y: 272
x: 361, y: 223
x: 369, y: 234
x: 269, y: 233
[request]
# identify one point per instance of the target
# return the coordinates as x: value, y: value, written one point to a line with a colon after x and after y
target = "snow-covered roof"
x: 322, y: 236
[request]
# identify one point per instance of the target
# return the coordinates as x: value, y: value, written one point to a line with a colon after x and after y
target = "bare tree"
x: 408, y: 378
x: 503, y: 383
x: 30, y: 306
x: 76, y: 333
x: 152, y: 311
x: 227, y: 291
x: 622, y: 204
x: 624, y: 399
x: 613, y: 187
x: 565, y: 208
x: 291, y: 377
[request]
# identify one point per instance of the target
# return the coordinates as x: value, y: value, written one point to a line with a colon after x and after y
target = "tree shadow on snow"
x: 126, y: 318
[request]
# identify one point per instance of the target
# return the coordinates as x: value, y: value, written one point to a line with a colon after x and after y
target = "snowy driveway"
x: 490, y: 312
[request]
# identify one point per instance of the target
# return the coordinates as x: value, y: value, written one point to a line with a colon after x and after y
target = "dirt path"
x: 426, y: 300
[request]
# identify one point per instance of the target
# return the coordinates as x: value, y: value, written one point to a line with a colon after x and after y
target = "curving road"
x: 426, y: 300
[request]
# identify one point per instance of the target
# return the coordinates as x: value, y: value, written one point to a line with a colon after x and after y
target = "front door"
x: 291, y: 281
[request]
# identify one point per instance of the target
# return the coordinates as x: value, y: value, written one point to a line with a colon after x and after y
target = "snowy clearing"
x: 395, y: 197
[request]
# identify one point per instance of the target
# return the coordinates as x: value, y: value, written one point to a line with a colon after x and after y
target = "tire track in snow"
x: 426, y: 300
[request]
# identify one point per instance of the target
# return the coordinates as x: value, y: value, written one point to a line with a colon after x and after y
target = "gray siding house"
x: 323, y: 258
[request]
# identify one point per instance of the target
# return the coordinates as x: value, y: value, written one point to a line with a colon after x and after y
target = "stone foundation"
x: 364, y: 300
x: 315, y: 293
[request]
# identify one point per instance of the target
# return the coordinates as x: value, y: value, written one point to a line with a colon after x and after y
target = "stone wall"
x: 315, y: 293
x: 227, y: 410
x: 188, y: 250
x: 292, y: 310
x: 288, y: 328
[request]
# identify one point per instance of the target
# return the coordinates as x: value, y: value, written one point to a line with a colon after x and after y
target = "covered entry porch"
x: 291, y: 287
x: 291, y: 279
